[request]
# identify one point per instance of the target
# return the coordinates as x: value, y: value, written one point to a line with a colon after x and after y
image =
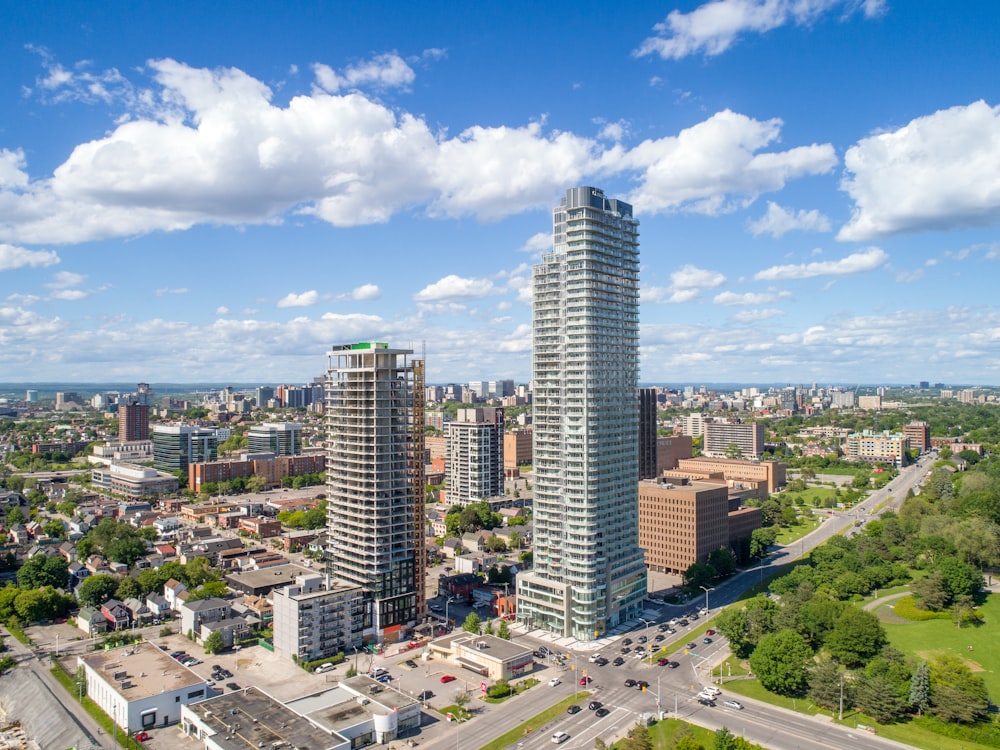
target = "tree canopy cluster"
x: 813, y: 641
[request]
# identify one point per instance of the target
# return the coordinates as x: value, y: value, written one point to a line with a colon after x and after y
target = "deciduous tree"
x: 780, y: 661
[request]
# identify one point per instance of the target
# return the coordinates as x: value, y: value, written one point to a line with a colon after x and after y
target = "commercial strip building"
x: 475, y: 455
x: 683, y: 521
x: 588, y: 575
x: 484, y: 655
x: 140, y: 687
x: 250, y: 719
x: 375, y: 482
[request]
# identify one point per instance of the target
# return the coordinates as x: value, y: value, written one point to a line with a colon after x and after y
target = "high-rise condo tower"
x: 589, y: 574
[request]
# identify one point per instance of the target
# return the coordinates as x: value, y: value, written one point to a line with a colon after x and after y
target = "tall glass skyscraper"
x: 589, y: 574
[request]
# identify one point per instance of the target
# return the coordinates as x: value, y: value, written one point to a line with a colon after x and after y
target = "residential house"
x: 172, y: 591
x: 158, y: 606
x: 196, y: 613
x: 141, y: 614
x: 117, y: 614
x: 91, y: 621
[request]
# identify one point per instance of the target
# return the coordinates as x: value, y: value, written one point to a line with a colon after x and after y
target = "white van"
x: 325, y: 667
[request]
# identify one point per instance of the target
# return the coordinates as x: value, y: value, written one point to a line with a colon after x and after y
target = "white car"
x: 712, y: 689
x: 593, y: 658
x: 559, y: 737
x: 555, y: 681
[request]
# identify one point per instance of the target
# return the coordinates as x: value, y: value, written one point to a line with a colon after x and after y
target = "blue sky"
x: 221, y: 191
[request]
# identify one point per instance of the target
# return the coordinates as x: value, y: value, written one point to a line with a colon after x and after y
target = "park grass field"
x: 928, y: 638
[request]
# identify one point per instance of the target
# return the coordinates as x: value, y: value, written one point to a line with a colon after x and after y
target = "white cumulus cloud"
x: 715, y: 165
x: 454, y: 287
x: 12, y: 258
x: 305, y: 299
x: 387, y: 70
x: 366, y: 292
x: 779, y: 220
x: 867, y: 260
x: 940, y: 171
x: 713, y: 27
x: 209, y: 146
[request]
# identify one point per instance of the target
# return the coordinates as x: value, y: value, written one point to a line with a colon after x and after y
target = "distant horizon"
x: 174, y: 387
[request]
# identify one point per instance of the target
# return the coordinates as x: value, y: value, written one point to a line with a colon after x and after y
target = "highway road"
x: 769, y: 726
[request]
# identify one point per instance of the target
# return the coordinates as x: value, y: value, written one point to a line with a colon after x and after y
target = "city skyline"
x: 190, y: 194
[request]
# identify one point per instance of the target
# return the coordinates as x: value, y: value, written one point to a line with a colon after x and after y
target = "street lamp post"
x: 706, y: 590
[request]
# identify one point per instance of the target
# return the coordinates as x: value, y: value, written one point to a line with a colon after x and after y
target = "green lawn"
x: 789, y: 534
x: 926, y: 639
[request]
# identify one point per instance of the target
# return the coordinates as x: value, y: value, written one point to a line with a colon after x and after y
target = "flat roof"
x: 496, y: 648
x: 145, y: 668
x: 250, y: 718
x: 279, y: 575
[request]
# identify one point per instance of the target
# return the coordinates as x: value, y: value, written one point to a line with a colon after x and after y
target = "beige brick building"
x: 683, y: 521
x: 770, y: 473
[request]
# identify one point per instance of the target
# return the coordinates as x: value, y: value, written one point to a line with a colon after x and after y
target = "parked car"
x: 232, y: 686
x: 141, y: 736
x: 447, y: 678
x: 410, y: 663
x: 426, y: 695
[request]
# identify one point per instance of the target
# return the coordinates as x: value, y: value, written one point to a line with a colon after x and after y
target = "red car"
x: 141, y: 736
x: 663, y: 662
x: 709, y: 632
x: 447, y: 678
x: 585, y: 680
